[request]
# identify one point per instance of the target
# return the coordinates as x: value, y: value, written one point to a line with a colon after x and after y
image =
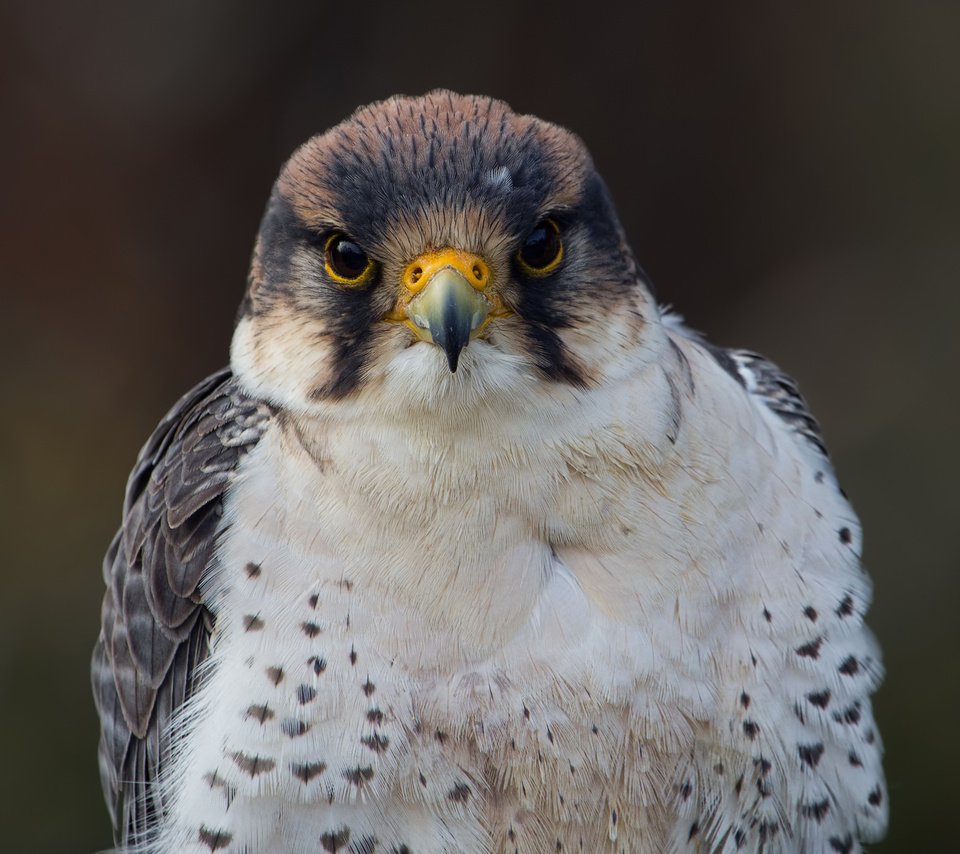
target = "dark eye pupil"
x: 541, y: 247
x: 347, y: 259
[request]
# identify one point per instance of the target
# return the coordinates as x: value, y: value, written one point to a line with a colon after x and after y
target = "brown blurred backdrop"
x: 788, y: 175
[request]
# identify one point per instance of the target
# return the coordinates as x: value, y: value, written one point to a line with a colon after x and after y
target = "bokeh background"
x: 787, y: 173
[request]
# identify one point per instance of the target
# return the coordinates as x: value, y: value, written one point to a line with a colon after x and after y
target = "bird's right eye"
x: 345, y: 261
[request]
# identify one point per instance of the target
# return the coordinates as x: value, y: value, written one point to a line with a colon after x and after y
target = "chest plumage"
x: 477, y: 564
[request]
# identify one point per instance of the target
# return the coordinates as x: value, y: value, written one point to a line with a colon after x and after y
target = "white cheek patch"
x: 499, y: 180
x: 280, y: 359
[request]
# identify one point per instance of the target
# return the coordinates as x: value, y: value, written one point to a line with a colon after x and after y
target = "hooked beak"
x: 447, y: 306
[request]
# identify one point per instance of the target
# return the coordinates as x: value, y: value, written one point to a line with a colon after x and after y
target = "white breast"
x: 513, y: 639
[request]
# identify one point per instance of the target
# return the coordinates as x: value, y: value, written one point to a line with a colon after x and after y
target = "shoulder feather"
x: 155, y: 628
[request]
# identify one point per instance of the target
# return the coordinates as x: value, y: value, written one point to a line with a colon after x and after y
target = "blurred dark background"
x: 788, y: 175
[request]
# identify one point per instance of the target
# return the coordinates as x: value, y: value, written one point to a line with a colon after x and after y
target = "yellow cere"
x: 421, y: 269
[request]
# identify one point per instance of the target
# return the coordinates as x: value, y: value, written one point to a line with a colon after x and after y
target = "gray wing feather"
x: 778, y: 390
x: 155, y: 628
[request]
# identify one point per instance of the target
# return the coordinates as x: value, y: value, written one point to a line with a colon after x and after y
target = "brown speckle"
x: 353, y: 655
x: 850, y: 666
x: 694, y: 830
x: 750, y: 729
x: 810, y: 753
x: 854, y: 759
x: 359, y: 775
x: 816, y: 811
x: 310, y: 628
x: 375, y: 742
x: 810, y: 650
x: 685, y: 790
x: 820, y: 699
x: 441, y: 737
x: 767, y: 830
x: 252, y: 569
x: 845, y: 608
x: 252, y: 765
x: 845, y: 536
x: 261, y: 713
x: 214, y: 780
x: 767, y: 615
x: 844, y: 846
x: 810, y: 613
x: 314, y: 598
x: 318, y: 664
x: 368, y: 687
x: 306, y: 694
x: 423, y: 780
x: 214, y: 839
x: 252, y: 623
x: 275, y: 675
x: 459, y: 794
x: 818, y: 477
x: 293, y: 727
x: 375, y: 716
x: 745, y: 699
x: 850, y: 715
x: 306, y: 771
x: 335, y: 840
x: 875, y: 797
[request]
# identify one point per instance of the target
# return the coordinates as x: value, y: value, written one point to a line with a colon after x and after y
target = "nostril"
x: 477, y: 272
x: 415, y: 274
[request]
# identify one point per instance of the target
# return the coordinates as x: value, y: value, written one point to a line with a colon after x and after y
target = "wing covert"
x: 155, y: 627
x: 778, y: 391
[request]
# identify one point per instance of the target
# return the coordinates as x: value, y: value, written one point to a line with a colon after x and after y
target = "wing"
x: 155, y: 628
x: 777, y: 390
x: 761, y: 378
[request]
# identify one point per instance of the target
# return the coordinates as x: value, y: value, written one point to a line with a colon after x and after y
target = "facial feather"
x: 410, y: 175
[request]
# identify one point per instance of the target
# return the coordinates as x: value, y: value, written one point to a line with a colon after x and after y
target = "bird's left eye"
x: 542, y: 251
x: 345, y: 261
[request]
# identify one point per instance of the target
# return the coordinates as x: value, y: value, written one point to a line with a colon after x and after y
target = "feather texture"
x: 155, y: 627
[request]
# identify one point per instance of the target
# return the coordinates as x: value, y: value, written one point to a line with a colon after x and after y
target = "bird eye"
x: 345, y: 261
x: 543, y: 250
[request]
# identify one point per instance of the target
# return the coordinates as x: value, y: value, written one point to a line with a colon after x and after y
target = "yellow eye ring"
x: 542, y: 251
x: 346, y: 263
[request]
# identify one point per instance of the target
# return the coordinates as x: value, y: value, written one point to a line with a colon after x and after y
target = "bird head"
x: 435, y: 251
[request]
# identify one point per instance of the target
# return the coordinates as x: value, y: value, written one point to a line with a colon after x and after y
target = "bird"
x: 477, y: 547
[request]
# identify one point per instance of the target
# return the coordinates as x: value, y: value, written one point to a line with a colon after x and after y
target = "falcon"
x: 476, y: 548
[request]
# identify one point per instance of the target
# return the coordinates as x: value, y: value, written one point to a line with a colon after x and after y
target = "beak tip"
x: 453, y: 359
